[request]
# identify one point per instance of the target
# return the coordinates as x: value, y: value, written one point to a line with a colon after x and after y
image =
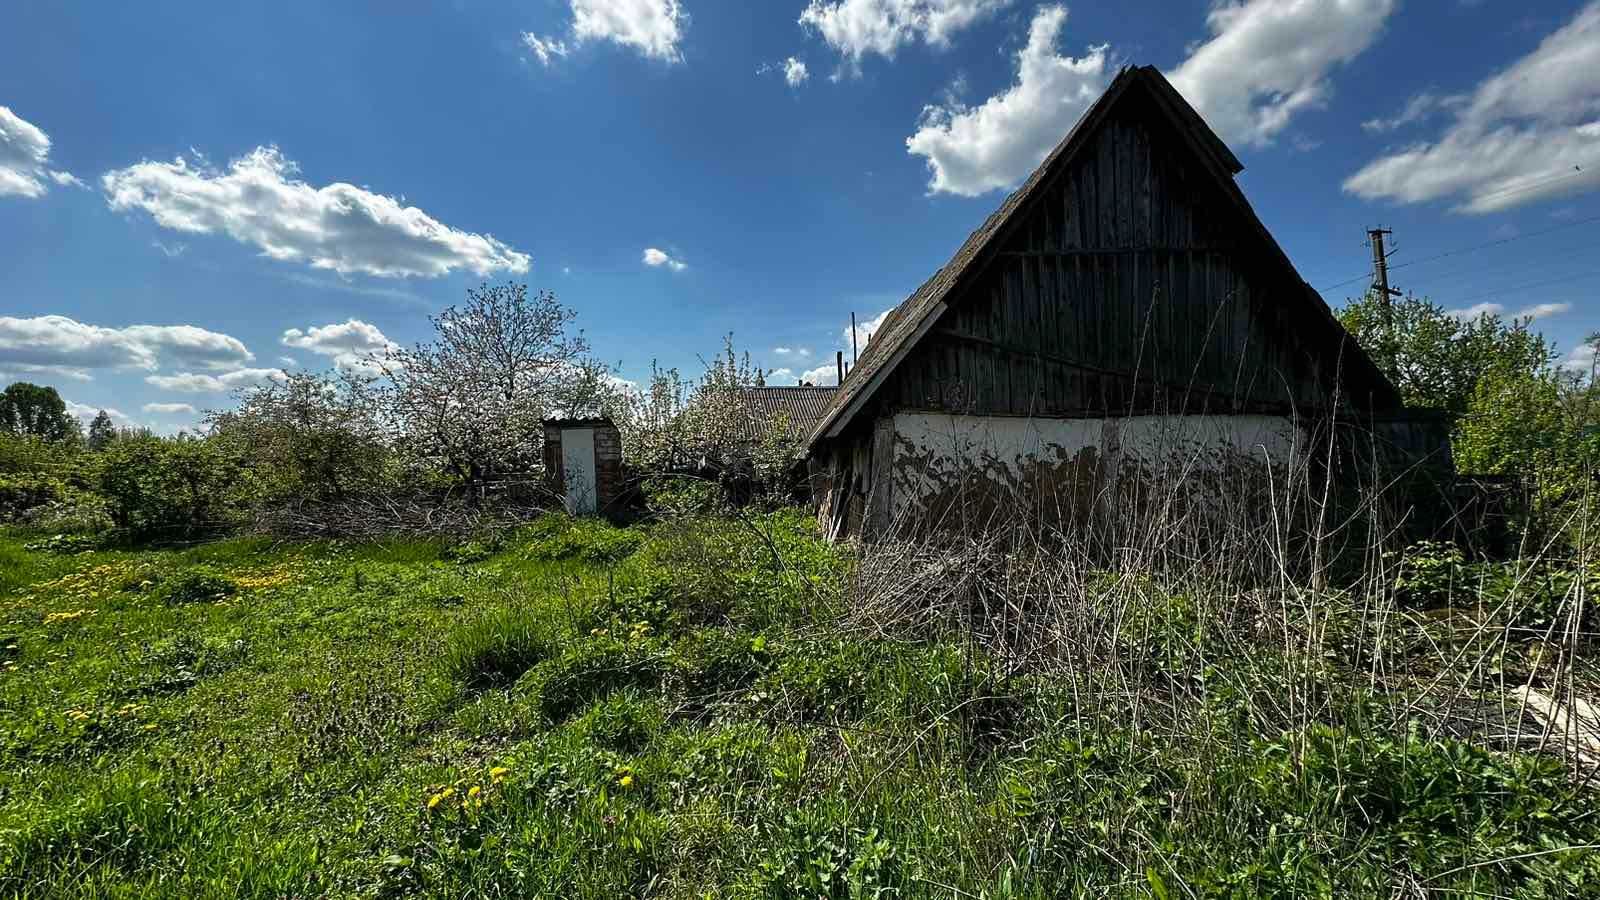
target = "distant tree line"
x: 457, y: 419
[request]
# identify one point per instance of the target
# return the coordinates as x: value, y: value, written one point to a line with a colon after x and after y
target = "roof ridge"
x: 914, y: 315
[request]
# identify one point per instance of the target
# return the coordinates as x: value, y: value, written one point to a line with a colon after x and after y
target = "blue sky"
x: 193, y: 196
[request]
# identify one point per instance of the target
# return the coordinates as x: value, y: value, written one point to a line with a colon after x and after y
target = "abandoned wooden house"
x: 1124, y: 306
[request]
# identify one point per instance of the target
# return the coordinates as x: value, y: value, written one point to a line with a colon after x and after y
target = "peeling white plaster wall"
x: 934, y: 453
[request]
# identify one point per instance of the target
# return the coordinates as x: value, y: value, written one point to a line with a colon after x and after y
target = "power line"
x: 1533, y: 185
x: 1501, y: 292
x: 1365, y: 276
x: 1467, y: 269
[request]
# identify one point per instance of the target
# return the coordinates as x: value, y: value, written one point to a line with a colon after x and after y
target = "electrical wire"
x: 1577, y: 172
x: 1501, y: 292
x: 1460, y: 250
x: 1516, y: 266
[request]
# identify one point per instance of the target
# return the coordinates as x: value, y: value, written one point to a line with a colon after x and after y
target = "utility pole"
x: 1380, y: 283
x: 855, y: 352
x: 1380, y: 266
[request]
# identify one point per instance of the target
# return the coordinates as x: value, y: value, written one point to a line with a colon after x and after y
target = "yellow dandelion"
x: 626, y: 781
x: 473, y: 792
x: 499, y: 772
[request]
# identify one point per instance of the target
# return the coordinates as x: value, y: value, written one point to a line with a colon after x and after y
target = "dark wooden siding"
x: 1132, y: 285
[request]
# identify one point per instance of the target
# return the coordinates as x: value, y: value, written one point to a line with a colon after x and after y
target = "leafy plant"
x: 197, y: 585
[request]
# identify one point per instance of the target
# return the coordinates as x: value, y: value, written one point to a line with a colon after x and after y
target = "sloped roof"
x: 804, y: 406
x: 908, y: 322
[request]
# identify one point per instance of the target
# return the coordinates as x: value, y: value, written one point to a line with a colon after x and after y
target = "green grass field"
x: 677, y: 711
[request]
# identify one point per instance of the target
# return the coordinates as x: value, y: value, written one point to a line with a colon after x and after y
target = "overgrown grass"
x: 725, y: 708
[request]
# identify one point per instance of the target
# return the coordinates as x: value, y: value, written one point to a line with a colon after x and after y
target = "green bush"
x: 680, y: 496
x: 64, y: 543
x: 23, y: 492
x: 197, y: 585
x: 23, y: 454
x: 181, y: 484
x: 1430, y: 573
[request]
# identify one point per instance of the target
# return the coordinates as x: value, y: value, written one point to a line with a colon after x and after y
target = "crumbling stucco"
x: 972, y: 467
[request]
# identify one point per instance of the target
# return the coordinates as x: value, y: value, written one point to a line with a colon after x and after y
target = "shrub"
x: 24, y: 492
x: 23, y: 454
x: 680, y: 496
x: 79, y: 512
x: 1430, y: 574
x: 310, y: 438
x: 63, y: 543
x: 197, y: 585
x: 182, y: 483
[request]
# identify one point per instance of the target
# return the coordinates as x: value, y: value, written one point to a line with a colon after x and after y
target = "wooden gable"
x: 1128, y: 275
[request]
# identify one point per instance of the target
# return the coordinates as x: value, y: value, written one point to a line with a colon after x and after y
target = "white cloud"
x: 85, y: 413
x: 864, y: 330
x: 72, y: 347
x: 1267, y: 60
x: 1477, y: 309
x: 1419, y: 107
x: 1583, y: 358
x: 796, y: 352
x: 170, y: 409
x: 795, y: 72
x: 1526, y: 133
x: 779, y: 376
x: 821, y: 375
x: 856, y: 28
x: 828, y: 372
x: 1544, y: 310
x: 195, y: 383
x: 657, y: 258
x: 547, y: 50
x: 288, y: 362
x: 972, y: 150
x: 351, y: 344
x: 652, y: 27
x: 1535, y: 312
x: 25, y: 158
x: 258, y: 201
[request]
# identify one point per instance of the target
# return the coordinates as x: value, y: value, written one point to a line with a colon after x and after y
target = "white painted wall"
x: 933, y: 451
x: 578, y: 470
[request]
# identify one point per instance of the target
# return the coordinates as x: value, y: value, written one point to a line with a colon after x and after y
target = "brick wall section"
x: 607, y: 463
x: 607, y: 467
